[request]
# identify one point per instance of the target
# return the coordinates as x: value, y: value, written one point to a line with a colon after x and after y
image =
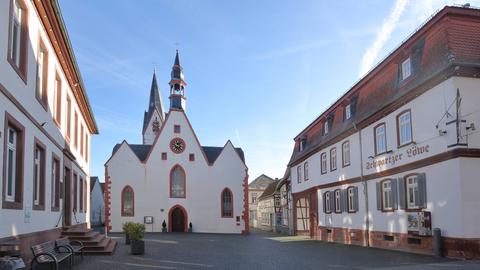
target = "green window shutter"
x: 394, y: 197
x: 355, y: 198
x: 379, y: 196
x: 422, y: 190
x: 401, y: 193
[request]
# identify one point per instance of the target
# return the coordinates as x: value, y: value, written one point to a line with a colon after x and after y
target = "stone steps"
x: 94, y: 242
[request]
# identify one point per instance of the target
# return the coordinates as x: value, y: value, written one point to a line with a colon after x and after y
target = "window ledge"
x: 20, y: 73
x: 406, y: 144
x: 383, y: 153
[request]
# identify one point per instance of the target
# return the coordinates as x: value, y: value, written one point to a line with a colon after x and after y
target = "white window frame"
x: 406, y: 68
x: 386, y: 195
x: 350, y: 198
x: 327, y: 202
x: 54, y: 182
x: 40, y: 72
x: 381, y: 138
x: 37, y: 164
x: 323, y: 162
x: 325, y: 128
x: 338, y: 198
x: 56, y: 92
x: 11, y: 146
x: 346, y: 153
x: 405, y: 128
x: 333, y: 159
x: 411, y: 188
x: 16, y: 32
x: 348, y: 112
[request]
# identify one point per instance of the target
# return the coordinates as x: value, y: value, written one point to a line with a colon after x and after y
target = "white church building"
x: 171, y: 177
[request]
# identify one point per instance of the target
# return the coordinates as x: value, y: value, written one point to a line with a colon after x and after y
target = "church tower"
x: 177, y: 86
x: 155, y: 116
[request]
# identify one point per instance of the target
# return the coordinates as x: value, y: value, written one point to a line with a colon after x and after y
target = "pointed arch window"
x: 177, y: 182
x: 128, y: 203
x: 227, y: 203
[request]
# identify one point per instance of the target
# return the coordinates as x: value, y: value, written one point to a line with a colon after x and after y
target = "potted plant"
x: 125, y: 227
x: 136, y: 232
x: 164, y: 226
x: 190, y: 227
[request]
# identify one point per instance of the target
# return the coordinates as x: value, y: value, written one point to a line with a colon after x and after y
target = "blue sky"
x: 258, y: 72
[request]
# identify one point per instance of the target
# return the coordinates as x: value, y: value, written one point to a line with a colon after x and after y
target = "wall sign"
x: 148, y: 220
x: 410, y: 152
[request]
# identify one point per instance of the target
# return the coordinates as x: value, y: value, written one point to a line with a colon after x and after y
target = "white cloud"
x: 294, y: 49
x: 383, y: 35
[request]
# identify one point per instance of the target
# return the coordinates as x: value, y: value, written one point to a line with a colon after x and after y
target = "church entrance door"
x: 178, y: 219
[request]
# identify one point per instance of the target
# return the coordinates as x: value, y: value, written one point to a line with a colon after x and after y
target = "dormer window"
x: 406, y: 68
x: 348, y: 111
x: 303, y: 143
x: 325, y: 128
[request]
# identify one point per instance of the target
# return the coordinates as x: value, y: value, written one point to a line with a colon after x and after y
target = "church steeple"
x: 154, y: 117
x: 177, y: 85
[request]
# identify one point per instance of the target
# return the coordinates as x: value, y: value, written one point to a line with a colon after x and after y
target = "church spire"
x: 154, y: 116
x: 155, y: 98
x: 177, y: 85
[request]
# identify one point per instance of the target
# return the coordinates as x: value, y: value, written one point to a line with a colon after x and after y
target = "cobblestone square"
x: 259, y: 250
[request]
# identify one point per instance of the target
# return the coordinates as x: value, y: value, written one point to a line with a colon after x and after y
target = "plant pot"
x: 164, y: 229
x: 127, y: 239
x: 137, y: 247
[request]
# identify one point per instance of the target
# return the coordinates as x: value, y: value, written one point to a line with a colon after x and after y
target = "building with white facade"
x: 47, y: 123
x: 171, y: 177
x: 255, y: 189
x: 266, y: 208
x: 398, y: 154
x: 97, y: 202
x: 284, y: 210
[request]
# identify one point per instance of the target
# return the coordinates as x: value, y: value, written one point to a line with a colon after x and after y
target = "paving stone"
x: 259, y: 250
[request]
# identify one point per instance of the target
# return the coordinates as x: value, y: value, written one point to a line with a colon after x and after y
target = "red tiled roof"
x: 450, y: 37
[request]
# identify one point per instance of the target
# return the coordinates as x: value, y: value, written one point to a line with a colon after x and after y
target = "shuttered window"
x: 387, y: 195
x: 414, y: 190
x: 408, y: 192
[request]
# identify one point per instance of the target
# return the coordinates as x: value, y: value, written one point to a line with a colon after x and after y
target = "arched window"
x: 177, y: 182
x: 227, y: 203
x: 128, y: 203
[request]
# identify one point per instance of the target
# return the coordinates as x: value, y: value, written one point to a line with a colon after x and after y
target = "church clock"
x: 177, y: 145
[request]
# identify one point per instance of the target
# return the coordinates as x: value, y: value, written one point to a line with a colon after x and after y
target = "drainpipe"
x: 365, y: 187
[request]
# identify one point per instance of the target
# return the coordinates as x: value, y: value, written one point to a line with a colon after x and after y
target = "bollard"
x: 437, y: 242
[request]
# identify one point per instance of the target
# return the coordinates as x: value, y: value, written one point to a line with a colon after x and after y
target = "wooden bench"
x: 75, y: 247
x: 48, y: 253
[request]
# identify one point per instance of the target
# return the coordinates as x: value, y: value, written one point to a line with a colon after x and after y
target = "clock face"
x: 177, y: 145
